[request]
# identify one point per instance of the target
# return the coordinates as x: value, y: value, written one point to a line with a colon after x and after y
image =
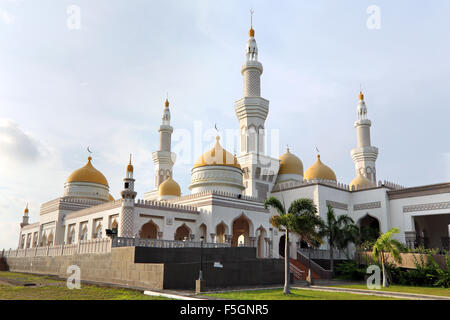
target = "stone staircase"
x: 300, y: 271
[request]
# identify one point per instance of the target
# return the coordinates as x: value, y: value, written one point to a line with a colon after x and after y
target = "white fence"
x: 85, y: 246
x: 153, y: 243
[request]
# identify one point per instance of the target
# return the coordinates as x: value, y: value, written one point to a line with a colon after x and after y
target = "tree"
x: 386, y: 245
x: 302, y: 219
x: 338, y: 230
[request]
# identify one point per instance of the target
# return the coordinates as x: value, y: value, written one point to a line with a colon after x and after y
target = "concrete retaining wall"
x: 157, y: 268
x: 117, y: 267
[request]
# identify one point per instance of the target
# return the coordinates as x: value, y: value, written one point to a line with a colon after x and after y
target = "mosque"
x: 227, y: 191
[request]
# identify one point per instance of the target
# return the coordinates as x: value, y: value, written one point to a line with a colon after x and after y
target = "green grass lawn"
x: 404, y: 289
x: 296, y: 294
x: 12, y: 288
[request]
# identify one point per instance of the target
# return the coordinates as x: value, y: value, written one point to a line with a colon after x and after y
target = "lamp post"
x: 200, y: 283
x: 309, y: 278
x: 200, y: 276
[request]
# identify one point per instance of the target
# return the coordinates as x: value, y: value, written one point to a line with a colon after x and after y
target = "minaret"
x: 364, y: 155
x: 126, y: 216
x: 25, y: 217
x: 252, y: 110
x: 164, y: 159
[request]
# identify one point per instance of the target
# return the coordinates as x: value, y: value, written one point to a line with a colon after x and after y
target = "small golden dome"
x: 169, y: 188
x: 130, y: 166
x: 167, y: 103
x: 251, y: 33
x: 361, y: 96
x: 217, y: 156
x: 110, y: 197
x: 88, y: 174
x: 26, y: 209
x: 360, y: 182
x: 290, y: 164
x: 319, y: 171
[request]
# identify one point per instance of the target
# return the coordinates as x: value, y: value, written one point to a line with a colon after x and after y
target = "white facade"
x: 226, y: 200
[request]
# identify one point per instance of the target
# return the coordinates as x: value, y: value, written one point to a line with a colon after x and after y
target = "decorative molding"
x: 337, y: 205
x: 427, y: 207
x: 150, y: 216
x: 365, y: 206
x: 185, y: 220
x: 420, y: 191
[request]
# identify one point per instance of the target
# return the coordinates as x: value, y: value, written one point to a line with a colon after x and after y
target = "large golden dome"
x: 319, y: 171
x: 360, y: 182
x: 169, y: 188
x: 217, y: 156
x: 88, y: 174
x: 290, y: 164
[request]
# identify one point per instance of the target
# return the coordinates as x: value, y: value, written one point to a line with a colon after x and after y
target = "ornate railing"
x: 154, y: 243
x: 322, y: 254
x: 83, y: 247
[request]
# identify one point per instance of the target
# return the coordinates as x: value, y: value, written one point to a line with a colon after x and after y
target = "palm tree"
x: 335, y: 229
x: 302, y: 219
x: 386, y: 245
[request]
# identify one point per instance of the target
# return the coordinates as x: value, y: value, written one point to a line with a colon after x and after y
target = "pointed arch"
x: 242, y: 229
x: 182, y: 233
x: 203, y: 231
x: 261, y: 242
x: 149, y: 230
x: 221, y: 232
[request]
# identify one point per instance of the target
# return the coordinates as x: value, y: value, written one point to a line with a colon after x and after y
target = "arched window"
x: 182, y: 233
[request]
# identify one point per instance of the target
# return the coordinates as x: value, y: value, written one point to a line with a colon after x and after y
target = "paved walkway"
x: 301, y: 285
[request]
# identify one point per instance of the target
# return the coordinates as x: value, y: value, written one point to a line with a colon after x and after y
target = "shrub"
x: 350, y: 270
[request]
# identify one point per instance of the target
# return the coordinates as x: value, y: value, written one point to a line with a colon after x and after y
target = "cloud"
x: 6, y: 17
x: 16, y: 145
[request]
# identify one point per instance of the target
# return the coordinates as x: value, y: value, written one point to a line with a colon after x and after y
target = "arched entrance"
x: 221, y: 231
x: 241, y: 232
x: 261, y: 242
x: 369, y: 228
x: 203, y: 232
x: 281, y: 245
x: 149, y: 231
x: 182, y: 233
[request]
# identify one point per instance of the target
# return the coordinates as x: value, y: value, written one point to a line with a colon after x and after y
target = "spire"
x: 251, y: 32
x: 25, y: 212
x: 130, y: 166
x: 166, y: 113
x: 361, y: 96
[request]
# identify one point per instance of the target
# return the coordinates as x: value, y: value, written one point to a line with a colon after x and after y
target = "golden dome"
x: 361, y: 96
x: 290, y: 164
x: 130, y: 166
x: 319, y: 171
x: 26, y: 209
x: 251, y: 32
x: 169, y: 188
x: 110, y: 197
x: 217, y: 156
x: 360, y: 182
x: 167, y: 103
x: 88, y: 174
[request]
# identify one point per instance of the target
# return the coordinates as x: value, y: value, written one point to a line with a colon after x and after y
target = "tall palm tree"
x: 335, y: 229
x: 302, y: 219
x: 386, y: 245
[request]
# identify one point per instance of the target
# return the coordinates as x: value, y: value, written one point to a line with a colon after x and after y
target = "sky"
x: 96, y: 73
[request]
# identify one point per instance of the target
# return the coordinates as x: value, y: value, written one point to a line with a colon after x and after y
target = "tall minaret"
x: 364, y: 155
x: 164, y: 159
x: 126, y: 216
x: 251, y: 110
